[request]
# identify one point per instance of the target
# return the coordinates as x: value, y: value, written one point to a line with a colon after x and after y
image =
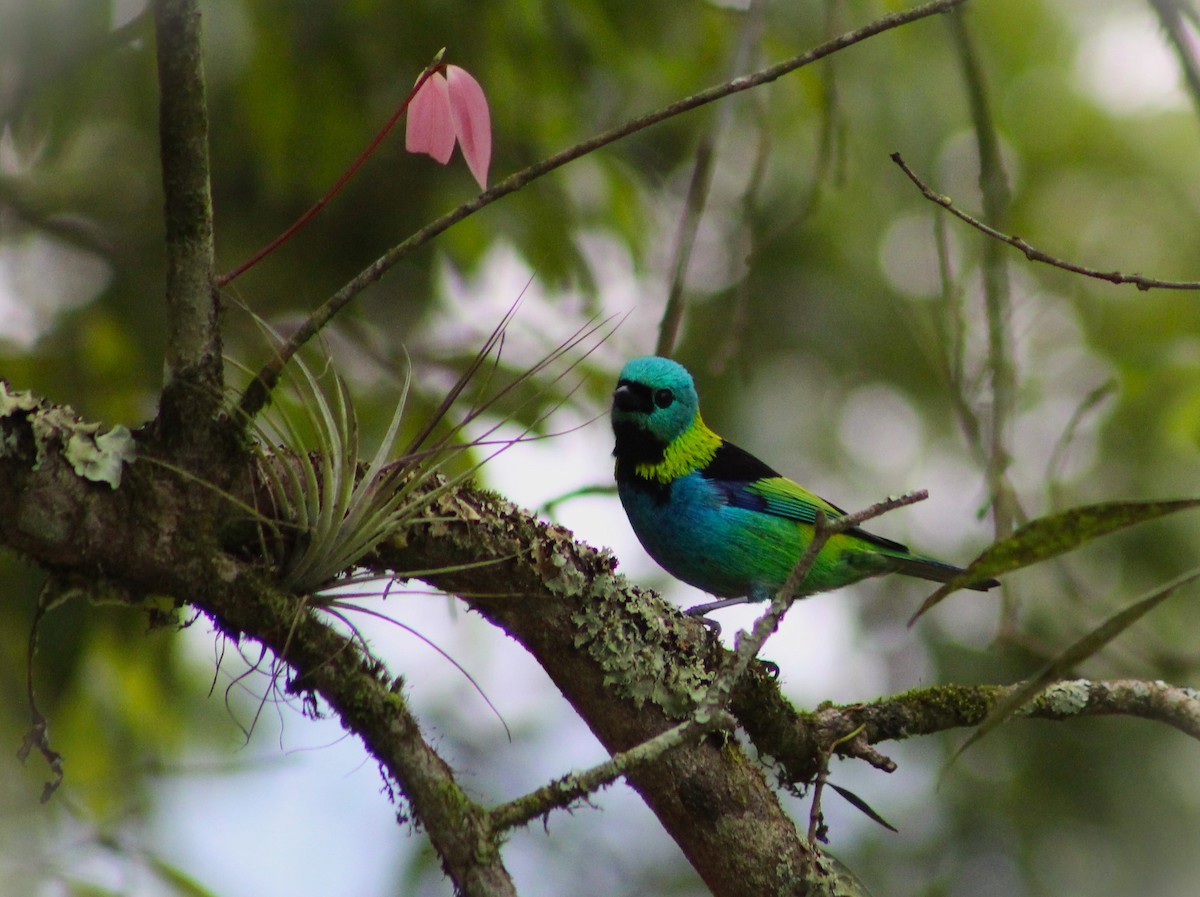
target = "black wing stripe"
x: 736, y: 465
x: 734, y: 468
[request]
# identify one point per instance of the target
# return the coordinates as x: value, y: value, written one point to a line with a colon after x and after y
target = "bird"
x: 716, y: 517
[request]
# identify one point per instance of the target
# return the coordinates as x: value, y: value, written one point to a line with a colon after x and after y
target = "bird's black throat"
x: 635, y: 445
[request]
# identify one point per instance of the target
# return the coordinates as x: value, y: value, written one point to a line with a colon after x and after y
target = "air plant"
x: 327, y: 509
x: 323, y: 510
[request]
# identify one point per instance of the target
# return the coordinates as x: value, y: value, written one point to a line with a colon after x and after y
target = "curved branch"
x: 1032, y: 252
x: 259, y: 389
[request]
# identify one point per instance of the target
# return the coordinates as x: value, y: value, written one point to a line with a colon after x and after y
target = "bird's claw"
x: 711, y: 625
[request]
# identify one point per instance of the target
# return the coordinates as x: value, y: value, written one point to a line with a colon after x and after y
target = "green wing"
x: 784, y: 498
x: 749, y: 483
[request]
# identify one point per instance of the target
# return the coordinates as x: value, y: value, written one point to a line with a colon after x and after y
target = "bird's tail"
x: 937, y: 571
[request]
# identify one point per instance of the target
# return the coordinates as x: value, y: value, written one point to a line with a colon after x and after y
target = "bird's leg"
x: 712, y: 626
x: 701, y: 609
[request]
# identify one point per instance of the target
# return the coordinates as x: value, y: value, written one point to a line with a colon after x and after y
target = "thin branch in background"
x: 993, y: 183
x: 685, y: 239
x: 194, y: 371
x: 950, y: 323
x: 739, y: 312
x: 36, y: 211
x: 259, y: 389
x: 1032, y: 252
x: 831, y: 142
x: 1171, y: 15
x: 550, y: 506
x: 698, y: 188
x: 563, y: 792
x: 1058, y: 457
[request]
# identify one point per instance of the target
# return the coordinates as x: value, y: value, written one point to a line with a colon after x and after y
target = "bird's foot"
x: 771, y: 667
x: 698, y: 613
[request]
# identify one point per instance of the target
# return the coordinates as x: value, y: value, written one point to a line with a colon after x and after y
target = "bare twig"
x: 569, y: 789
x: 257, y: 392
x: 1033, y: 253
x: 697, y: 193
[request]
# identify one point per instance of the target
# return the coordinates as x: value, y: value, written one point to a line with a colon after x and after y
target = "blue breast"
x: 700, y: 534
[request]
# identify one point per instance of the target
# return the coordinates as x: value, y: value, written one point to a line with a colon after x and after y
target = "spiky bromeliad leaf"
x: 1050, y: 536
x: 337, y: 511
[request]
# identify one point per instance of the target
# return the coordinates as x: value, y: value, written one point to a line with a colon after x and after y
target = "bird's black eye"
x: 663, y: 398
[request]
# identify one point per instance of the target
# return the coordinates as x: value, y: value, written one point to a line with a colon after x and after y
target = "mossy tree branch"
x: 631, y: 665
x: 194, y: 375
x: 154, y: 532
x: 632, y: 668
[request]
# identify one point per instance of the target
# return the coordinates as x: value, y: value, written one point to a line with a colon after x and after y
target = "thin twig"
x: 259, y: 389
x: 1033, y: 253
x: 569, y: 789
x: 816, y: 818
x: 697, y: 193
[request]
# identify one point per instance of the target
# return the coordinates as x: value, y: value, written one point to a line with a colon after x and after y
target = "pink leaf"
x: 430, y: 127
x: 472, y: 121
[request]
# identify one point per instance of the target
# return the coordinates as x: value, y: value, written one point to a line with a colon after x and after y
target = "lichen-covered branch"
x: 631, y: 665
x: 795, y: 738
x: 571, y: 788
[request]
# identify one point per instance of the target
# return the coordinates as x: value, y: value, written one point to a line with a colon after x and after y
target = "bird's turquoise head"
x: 654, y: 403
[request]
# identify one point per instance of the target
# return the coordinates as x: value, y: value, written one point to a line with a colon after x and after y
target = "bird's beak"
x: 627, y: 397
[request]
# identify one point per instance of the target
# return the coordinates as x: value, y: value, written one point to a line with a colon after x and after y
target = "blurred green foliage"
x: 807, y: 299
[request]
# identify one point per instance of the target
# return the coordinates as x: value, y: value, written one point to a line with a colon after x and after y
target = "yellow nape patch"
x: 693, y: 450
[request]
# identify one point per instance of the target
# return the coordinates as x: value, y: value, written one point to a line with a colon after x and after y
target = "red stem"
x: 341, y: 181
